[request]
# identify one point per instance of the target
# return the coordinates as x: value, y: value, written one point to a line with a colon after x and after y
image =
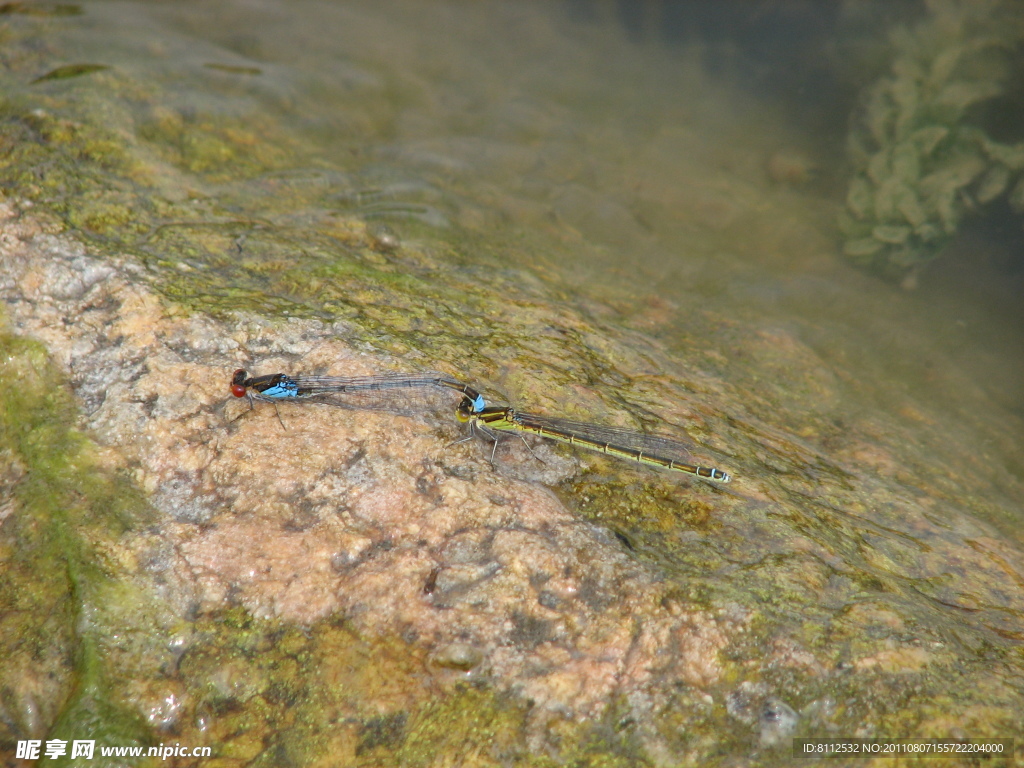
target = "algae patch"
x: 62, y: 510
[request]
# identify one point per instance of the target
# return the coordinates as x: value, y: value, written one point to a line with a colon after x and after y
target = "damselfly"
x: 280, y: 387
x: 651, y: 450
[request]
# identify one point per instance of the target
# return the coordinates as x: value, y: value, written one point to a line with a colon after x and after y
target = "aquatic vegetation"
x: 61, y: 513
x: 69, y: 71
x: 921, y: 163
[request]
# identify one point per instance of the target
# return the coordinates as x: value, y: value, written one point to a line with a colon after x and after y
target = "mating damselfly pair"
x: 492, y: 421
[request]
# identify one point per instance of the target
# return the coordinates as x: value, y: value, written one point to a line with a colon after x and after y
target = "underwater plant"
x: 921, y: 161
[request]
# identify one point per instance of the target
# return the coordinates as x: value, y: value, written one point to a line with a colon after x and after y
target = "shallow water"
x: 618, y: 216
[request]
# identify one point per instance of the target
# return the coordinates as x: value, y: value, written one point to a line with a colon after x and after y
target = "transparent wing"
x: 658, y: 445
x: 312, y: 385
x: 398, y: 393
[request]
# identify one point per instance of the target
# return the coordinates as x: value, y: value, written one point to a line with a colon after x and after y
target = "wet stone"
x: 777, y: 723
x: 549, y: 599
x: 461, y: 656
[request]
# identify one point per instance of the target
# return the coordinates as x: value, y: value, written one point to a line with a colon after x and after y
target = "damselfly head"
x: 465, y: 411
x: 238, y: 388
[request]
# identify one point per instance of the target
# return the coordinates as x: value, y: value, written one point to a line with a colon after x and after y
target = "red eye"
x: 238, y: 383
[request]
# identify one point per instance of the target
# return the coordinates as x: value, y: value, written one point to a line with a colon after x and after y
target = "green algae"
x: 487, y: 730
x: 70, y: 168
x: 69, y: 71
x: 53, y: 681
x: 269, y: 693
x: 41, y: 9
x: 216, y: 147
